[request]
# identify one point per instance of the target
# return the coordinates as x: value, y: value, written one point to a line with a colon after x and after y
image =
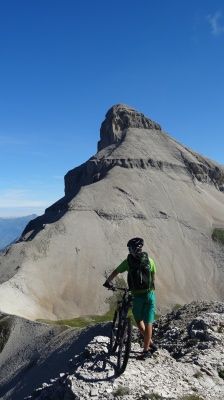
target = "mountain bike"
x: 121, y: 329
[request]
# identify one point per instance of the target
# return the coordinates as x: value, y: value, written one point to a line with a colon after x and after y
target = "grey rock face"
x: 190, y: 329
x: 197, y: 374
x: 118, y: 119
x: 205, y: 170
x: 39, y: 355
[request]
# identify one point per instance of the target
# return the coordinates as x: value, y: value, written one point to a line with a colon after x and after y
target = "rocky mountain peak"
x: 147, y: 184
x: 119, y: 118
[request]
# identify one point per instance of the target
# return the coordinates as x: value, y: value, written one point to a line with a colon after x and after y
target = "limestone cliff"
x: 140, y: 182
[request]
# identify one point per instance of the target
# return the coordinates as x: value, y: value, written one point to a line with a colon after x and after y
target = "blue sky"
x: 64, y: 63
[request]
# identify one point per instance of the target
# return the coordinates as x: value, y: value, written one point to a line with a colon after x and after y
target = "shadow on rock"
x: 52, y: 214
x: 48, y: 365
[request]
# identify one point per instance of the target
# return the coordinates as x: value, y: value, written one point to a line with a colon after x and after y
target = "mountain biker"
x: 141, y: 280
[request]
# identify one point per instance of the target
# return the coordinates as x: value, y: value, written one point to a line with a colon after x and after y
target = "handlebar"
x: 114, y: 288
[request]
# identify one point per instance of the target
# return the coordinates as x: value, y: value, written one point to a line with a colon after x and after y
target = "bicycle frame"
x: 124, y: 305
x: 120, y: 337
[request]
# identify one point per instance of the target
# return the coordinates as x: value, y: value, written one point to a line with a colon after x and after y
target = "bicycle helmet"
x: 135, y: 242
x: 135, y: 245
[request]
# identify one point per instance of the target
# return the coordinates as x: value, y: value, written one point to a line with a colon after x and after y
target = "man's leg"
x: 147, y: 336
x: 146, y: 331
x: 141, y: 327
x: 143, y: 312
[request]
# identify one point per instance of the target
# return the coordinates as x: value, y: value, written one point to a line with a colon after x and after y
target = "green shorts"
x: 144, y: 307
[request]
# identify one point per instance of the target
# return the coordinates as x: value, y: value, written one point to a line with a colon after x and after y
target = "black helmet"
x: 135, y: 243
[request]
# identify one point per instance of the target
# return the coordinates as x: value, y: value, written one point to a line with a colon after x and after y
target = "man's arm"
x: 121, y: 268
x: 110, y: 278
x: 153, y: 272
x: 153, y: 280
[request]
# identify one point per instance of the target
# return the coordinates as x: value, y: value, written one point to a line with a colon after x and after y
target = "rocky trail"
x: 188, y: 365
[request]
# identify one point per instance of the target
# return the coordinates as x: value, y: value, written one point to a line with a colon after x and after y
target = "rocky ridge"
x: 189, y: 363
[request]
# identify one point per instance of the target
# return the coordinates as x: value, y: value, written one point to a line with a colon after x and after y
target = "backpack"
x: 139, y: 272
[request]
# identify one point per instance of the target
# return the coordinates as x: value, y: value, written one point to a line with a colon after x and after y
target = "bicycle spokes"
x: 114, y: 334
x: 124, y: 346
x: 120, y: 335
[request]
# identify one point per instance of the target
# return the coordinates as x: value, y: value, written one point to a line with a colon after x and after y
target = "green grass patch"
x: 88, y: 320
x: 151, y: 396
x: 218, y: 235
x: 81, y: 322
x: 121, y: 391
x: 176, y: 307
x: 84, y: 321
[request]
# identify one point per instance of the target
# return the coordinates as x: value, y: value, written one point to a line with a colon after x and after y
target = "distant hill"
x: 12, y: 228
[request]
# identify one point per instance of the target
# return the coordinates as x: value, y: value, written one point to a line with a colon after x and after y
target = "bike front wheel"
x: 124, y: 346
x: 114, y: 334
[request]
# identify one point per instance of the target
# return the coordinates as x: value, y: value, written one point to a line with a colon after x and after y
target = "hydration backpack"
x: 139, y: 272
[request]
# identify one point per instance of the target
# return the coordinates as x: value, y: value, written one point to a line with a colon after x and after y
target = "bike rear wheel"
x: 114, y: 334
x: 124, y: 346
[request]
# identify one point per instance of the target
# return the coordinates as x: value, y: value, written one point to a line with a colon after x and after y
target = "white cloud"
x: 19, y: 198
x: 12, y: 212
x: 216, y: 23
x: 9, y: 140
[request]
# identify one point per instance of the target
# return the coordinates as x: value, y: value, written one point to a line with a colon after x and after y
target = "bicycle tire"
x: 124, y: 346
x: 114, y: 333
